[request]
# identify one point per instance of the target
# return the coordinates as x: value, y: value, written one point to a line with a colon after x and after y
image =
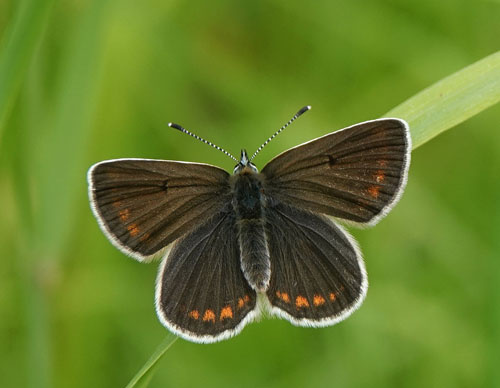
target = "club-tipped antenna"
x: 298, y: 114
x: 179, y: 128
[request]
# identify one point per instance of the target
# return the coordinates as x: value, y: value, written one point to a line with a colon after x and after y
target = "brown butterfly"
x: 231, y: 240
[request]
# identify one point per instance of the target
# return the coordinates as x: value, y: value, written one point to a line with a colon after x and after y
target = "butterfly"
x: 235, y: 245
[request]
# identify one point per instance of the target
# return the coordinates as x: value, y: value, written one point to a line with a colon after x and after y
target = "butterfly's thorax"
x: 249, y: 205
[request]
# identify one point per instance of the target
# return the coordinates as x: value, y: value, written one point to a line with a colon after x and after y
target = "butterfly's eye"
x: 253, y: 167
x: 238, y: 168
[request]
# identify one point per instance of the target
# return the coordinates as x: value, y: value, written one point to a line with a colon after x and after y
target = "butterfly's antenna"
x: 179, y: 128
x: 299, y: 113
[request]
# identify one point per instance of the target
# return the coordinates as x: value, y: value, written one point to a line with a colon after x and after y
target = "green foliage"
x: 91, y: 80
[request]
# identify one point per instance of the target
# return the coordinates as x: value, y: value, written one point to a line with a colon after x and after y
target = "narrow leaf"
x: 452, y: 100
x: 143, y: 377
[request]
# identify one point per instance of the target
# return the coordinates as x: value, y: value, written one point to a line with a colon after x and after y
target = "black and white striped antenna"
x: 299, y: 113
x: 179, y: 128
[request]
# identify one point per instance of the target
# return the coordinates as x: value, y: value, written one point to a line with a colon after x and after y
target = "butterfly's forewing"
x: 201, y: 292
x: 317, y: 273
x: 356, y: 174
x: 143, y: 205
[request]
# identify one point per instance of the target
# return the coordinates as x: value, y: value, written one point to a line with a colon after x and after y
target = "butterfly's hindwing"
x: 201, y: 291
x: 144, y: 205
x: 356, y: 174
x: 317, y: 272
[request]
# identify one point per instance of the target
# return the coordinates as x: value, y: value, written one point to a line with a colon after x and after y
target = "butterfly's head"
x: 244, y: 164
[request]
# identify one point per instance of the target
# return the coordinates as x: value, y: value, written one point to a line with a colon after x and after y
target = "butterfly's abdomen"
x: 248, y: 204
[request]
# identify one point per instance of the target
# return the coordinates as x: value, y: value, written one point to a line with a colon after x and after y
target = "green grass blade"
x: 143, y: 377
x: 18, y: 46
x: 452, y: 100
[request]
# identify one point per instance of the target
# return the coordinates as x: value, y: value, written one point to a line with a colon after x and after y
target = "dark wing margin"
x: 143, y: 205
x: 356, y: 174
x: 318, y: 277
x: 201, y: 292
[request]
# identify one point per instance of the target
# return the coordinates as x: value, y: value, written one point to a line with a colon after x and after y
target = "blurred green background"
x: 103, y: 80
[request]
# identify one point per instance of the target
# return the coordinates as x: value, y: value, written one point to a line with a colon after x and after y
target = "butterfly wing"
x: 356, y: 174
x: 318, y: 276
x: 143, y: 205
x: 201, y: 292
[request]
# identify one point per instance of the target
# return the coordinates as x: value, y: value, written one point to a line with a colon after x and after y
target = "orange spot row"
x: 301, y: 301
x: 209, y: 315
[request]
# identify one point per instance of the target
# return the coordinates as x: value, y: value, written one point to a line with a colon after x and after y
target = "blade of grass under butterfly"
x: 143, y: 377
x: 452, y: 100
x: 17, y: 49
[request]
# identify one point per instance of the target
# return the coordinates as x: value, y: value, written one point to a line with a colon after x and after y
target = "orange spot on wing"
x: 194, y: 314
x: 124, y: 214
x: 379, y: 176
x: 374, y: 191
x: 209, y: 316
x: 318, y: 300
x: 283, y: 296
x: 133, y: 230
x: 117, y: 204
x: 332, y: 297
x: 300, y: 301
x: 243, y: 301
x: 144, y: 237
x: 226, y: 312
